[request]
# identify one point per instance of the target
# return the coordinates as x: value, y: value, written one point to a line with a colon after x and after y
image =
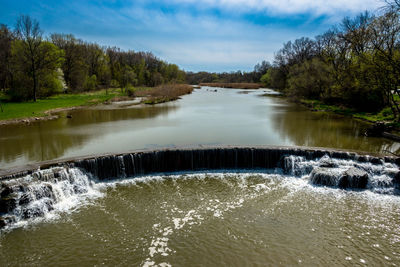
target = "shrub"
x: 90, y: 83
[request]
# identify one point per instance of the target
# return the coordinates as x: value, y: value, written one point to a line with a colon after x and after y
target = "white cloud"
x: 318, y: 7
x: 197, y: 39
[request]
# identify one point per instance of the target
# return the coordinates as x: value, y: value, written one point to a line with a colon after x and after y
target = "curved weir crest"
x: 35, y: 193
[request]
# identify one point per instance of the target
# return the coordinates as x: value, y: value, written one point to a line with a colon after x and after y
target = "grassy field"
x: 19, y: 110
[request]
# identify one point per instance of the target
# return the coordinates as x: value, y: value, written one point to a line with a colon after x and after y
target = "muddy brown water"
x: 201, y: 219
x: 225, y: 117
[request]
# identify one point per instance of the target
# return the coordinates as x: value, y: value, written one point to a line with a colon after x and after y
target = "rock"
x: 25, y: 199
x: 354, y: 178
x: 79, y: 189
x: 294, y: 165
x: 46, y: 191
x: 2, y: 222
x: 323, y: 176
x: 376, y: 129
x: 396, y: 180
x: 6, y: 191
x: 38, y: 210
x: 69, y: 116
x: 7, y: 204
x: 327, y: 162
x: 375, y: 160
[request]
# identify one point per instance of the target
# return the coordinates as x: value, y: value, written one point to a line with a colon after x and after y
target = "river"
x: 205, y: 117
x: 212, y: 218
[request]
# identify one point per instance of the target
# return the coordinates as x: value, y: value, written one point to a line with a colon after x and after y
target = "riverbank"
x: 383, y: 123
x: 385, y: 115
x: 46, y: 109
x: 163, y: 93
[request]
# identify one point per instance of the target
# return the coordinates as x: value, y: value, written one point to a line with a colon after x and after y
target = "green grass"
x: 385, y: 114
x: 19, y: 110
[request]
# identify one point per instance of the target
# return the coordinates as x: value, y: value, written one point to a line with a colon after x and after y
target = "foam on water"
x: 72, y: 188
x: 46, y: 194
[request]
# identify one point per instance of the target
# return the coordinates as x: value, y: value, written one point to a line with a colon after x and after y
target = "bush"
x: 90, y: 83
x: 50, y: 85
x: 114, y: 84
x: 21, y: 87
x: 130, y: 91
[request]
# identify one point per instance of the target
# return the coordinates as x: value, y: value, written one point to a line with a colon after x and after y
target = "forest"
x: 229, y: 77
x: 355, y: 64
x: 34, y: 66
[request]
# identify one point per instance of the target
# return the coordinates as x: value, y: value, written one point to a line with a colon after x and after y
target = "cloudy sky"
x: 211, y: 35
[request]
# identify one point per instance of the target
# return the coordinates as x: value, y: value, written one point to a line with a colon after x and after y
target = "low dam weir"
x: 34, y: 191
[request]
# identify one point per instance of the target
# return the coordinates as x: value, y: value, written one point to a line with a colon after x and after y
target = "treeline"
x: 356, y: 64
x: 229, y: 77
x: 33, y: 66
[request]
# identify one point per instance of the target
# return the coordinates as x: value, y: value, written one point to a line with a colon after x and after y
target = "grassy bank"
x: 234, y: 85
x: 385, y: 114
x: 163, y: 93
x: 21, y: 110
x: 18, y: 110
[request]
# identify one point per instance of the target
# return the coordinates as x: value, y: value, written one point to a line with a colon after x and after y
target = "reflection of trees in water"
x: 50, y: 139
x: 306, y: 128
x: 93, y: 116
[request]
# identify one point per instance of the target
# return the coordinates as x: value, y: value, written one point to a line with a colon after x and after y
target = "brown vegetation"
x: 164, y: 93
x: 234, y: 85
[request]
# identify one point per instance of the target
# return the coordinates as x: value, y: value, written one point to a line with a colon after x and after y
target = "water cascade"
x: 35, y: 192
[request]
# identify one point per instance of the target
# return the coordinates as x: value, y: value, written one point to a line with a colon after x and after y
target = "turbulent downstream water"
x: 276, y: 217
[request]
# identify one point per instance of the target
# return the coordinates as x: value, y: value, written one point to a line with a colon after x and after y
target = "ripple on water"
x: 214, y: 218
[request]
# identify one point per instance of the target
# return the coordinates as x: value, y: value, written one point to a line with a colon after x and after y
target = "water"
x: 227, y: 116
x: 210, y: 219
x: 277, y: 217
x: 65, y: 217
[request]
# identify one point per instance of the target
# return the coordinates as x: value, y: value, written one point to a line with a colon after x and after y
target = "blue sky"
x: 211, y: 35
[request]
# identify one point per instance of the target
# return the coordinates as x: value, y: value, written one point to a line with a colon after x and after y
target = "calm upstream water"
x: 228, y: 116
x: 200, y: 219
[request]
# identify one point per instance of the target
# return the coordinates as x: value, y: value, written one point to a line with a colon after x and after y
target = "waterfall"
x: 35, y: 193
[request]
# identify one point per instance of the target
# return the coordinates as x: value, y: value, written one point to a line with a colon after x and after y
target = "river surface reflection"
x: 227, y: 116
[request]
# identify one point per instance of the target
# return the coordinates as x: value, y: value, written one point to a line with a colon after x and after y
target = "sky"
x: 197, y: 35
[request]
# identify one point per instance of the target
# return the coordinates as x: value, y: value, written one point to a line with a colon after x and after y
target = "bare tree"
x: 392, y: 4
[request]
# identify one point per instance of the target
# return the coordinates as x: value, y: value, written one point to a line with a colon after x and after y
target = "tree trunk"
x: 34, y: 85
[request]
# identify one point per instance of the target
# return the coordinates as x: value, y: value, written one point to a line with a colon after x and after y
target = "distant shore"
x: 49, y: 108
x: 234, y: 85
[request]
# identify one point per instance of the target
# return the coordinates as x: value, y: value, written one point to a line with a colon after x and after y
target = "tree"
x: 128, y: 78
x: 6, y: 38
x: 386, y: 56
x: 266, y: 79
x: 30, y: 35
x: 35, y: 61
x: 47, y: 61
x: 73, y: 67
